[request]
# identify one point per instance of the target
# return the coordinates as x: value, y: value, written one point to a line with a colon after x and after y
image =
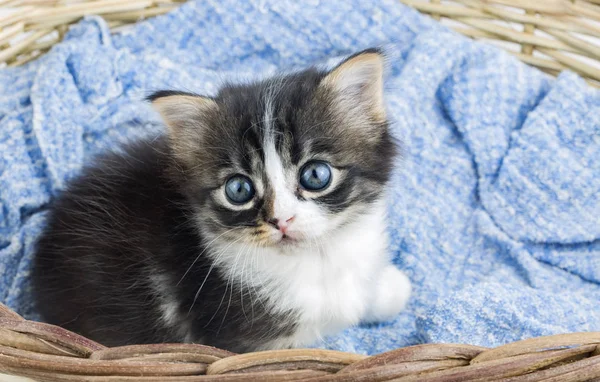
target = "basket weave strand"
x: 32, y: 27
x: 48, y: 353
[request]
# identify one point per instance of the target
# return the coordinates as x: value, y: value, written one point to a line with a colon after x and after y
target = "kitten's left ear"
x: 358, y: 83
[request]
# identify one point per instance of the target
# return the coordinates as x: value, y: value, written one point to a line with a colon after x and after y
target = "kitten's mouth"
x: 284, y: 240
x: 287, y: 239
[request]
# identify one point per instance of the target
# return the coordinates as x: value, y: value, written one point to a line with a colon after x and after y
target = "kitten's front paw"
x: 393, y: 291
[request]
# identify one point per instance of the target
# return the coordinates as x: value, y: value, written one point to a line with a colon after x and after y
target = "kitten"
x: 257, y: 222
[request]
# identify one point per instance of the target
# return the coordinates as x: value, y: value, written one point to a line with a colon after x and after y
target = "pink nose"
x: 281, y: 224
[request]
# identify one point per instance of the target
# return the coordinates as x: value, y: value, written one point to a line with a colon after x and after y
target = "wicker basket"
x: 551, y: 34
x: 49, y: 353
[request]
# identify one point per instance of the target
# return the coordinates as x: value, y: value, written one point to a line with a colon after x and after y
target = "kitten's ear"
x: 181, y: 110
x: 358, y: 83
x: 187, y: 117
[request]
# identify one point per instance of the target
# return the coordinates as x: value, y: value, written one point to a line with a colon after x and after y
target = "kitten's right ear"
x: 357, y: 84
x: 186, y: 116
x: 181, y: 110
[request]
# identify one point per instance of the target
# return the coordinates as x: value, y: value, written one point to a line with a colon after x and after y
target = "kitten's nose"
x: 281, y: 224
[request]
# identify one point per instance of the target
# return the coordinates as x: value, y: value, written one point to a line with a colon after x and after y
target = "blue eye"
x: 239, y: 189
x: 315, y: 176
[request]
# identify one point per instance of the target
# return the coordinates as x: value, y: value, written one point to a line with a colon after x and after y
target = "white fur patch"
x: 285, y: 202
x: 168, y: 305
x: 333, y: 284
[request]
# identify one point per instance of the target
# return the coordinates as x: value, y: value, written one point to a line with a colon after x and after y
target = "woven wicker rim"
x: 553, y: 35
x: 49, y: 353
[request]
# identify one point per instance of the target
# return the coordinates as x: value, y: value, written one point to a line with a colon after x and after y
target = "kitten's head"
x: 285, y: 161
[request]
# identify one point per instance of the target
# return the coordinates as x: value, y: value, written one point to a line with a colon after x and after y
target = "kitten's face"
x: 287, y: 161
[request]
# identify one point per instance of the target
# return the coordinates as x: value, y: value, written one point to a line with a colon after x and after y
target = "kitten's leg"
x: 391, y: 295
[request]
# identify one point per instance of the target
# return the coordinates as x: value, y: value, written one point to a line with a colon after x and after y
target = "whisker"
x: 215, y: 260
x: 226, y: 285
x: 231, y: 277
x: 201, y: 253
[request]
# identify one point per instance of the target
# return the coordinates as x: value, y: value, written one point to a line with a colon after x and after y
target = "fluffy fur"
x: 145, y: 246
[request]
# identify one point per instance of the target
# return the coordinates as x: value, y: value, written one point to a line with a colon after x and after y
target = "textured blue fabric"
x: 495, y: 207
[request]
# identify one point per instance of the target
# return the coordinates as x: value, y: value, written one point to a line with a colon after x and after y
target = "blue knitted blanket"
x: 495, y: 207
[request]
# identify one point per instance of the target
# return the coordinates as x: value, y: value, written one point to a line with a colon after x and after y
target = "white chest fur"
x: 332, y: 285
